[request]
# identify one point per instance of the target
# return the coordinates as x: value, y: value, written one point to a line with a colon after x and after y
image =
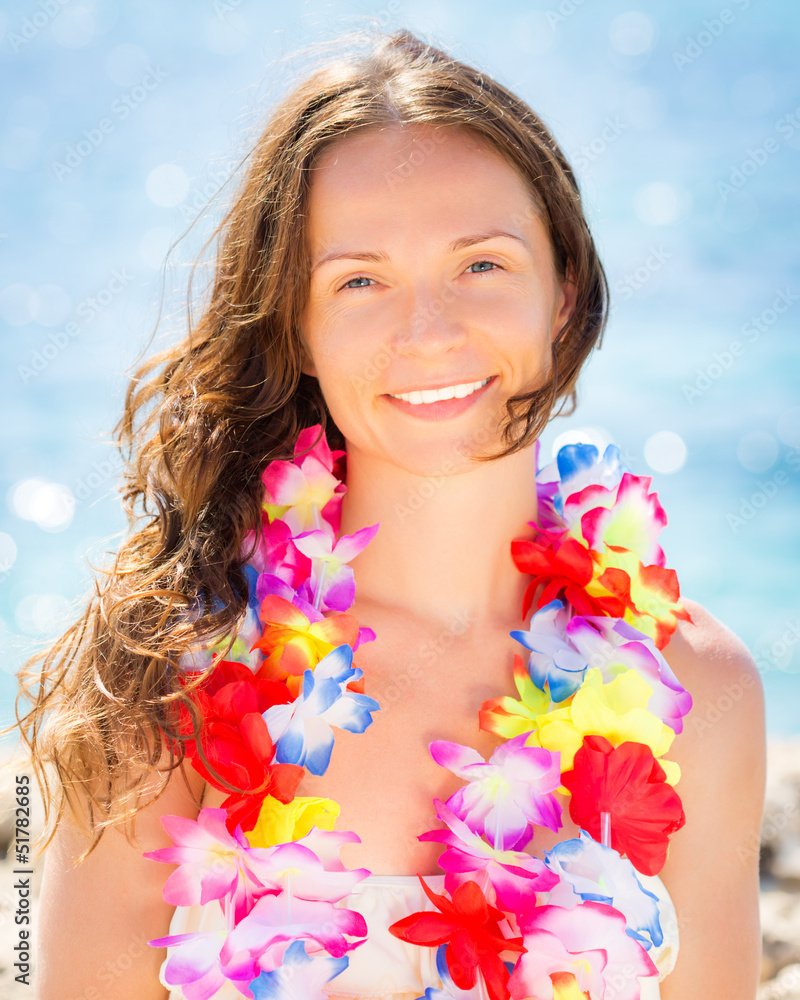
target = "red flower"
x: 236, y: 743
x: 628, y: 783
x: 567, y: 567
x: 469, y: 926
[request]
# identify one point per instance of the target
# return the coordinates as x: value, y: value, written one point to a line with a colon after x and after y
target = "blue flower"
x: 251, y: 576
x: 599, y: 873
x: 553, y: 657
x: 575, y: 466
x: 299, y: 977
x: 302, y: 730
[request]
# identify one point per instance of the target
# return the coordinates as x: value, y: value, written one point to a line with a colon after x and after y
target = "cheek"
x: 341, y: 366
x: 527, y: 351
x: 526, y: 335
x: 331, y: 334
x: 347, y: 350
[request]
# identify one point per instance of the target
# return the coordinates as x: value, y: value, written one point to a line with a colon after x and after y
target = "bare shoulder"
x: 97, y: 913
x: 718, y: 670
x: 722, y: 749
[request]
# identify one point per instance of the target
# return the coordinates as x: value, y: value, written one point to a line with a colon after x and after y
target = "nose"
x: 431, y: 325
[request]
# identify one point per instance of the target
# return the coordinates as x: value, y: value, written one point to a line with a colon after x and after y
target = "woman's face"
x: 430, y: 270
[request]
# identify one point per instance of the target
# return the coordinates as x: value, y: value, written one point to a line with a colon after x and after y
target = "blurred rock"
x: 780, y: 928
x: 786, y: 986
x: 780, y: 831
x: 780, y: 873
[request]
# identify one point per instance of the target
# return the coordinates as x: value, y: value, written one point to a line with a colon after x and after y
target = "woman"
x: 407, y: 265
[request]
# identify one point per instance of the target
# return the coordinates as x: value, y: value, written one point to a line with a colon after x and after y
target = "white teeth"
x: 432, y: 395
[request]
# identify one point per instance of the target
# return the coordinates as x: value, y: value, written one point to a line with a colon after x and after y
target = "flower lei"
x: 597, y: 709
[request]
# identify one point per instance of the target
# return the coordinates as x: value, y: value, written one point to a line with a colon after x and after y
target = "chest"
x: 429, y: 687
x: 430, y: 684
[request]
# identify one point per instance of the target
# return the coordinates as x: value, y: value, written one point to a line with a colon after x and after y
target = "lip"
x: 441, y: 409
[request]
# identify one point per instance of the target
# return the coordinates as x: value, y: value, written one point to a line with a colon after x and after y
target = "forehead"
x: 381, y: 179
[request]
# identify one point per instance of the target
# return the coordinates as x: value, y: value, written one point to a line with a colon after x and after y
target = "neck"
x: 442, y: 551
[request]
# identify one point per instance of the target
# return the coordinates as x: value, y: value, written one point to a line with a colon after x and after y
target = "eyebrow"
x: 379, y: 257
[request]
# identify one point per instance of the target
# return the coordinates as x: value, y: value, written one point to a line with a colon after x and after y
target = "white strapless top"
x: 386, y: 968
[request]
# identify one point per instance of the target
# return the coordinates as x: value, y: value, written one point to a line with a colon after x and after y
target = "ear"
x: 566, y: 300
x: 307, y: 366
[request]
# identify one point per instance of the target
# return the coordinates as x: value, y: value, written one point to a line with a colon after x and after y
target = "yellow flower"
x: 616, y: 710
x: 279, y: 823
x: 508, y: 717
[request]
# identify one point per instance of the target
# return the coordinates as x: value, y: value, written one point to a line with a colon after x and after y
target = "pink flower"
x: 308, y: 486
x: 321, y: 451
x: 195, y: 965
x: 260, y: 939
x: 589, y: 941
x: 332, y: 579
x: 627, y: 517
x: 295, y: 868
x: 507, y: 796
x: 515, y: 876
x: 328, y: 844
x: 212, y: 863
x: 275, y: 554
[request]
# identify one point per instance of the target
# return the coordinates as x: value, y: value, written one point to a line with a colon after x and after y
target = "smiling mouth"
x: 419, y: 396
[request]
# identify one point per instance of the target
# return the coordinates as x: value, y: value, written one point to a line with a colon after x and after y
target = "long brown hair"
x: 202, y: 418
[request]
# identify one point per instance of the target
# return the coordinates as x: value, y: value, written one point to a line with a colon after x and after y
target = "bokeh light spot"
x: 757, y: 451
x: 74, y: 27
x: 167, y: 185
x: 632, y: 33
x: 665, y: 451
x: 8, y: 551
x: 51, y: 506
x: 657, y: 204
x: 41, y: 614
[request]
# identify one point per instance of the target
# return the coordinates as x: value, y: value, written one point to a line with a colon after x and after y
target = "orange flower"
x: 292, y: 643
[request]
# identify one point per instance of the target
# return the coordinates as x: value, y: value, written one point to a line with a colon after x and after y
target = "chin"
x: 436, y: 451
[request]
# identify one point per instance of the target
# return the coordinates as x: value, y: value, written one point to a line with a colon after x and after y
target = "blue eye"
x: 361, y: 277
x: 352, y: 287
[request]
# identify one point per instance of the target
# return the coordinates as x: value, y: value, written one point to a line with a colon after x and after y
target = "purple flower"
x: 507, y: 796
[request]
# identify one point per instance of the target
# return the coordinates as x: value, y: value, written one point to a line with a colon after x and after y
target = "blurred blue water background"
x: 119, y: 121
